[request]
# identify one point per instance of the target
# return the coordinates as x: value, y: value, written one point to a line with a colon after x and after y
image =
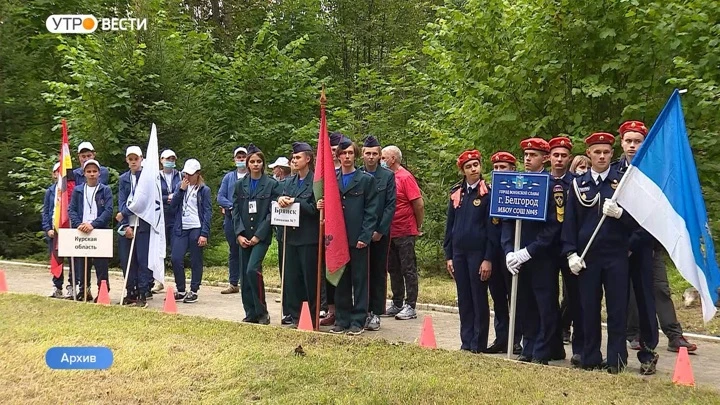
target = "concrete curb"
x: 423, y: 307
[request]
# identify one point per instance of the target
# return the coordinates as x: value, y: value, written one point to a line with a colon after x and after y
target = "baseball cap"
x: 85, y: 145
x: 91, y: 162
x: 56, y: 166
x: 133, y: 150
x: 167, y: 153
x: 240, y: 149
x: 191, y: 166
x: 281, y: 161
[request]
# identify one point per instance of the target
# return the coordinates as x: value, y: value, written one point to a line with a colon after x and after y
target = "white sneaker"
x: 373, y: 323
x: 158, y: 287
x: 56, y: 293
x: 407, y: 312
x: 69, y: 293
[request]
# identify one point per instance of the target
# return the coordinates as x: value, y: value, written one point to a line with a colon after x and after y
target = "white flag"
x: 147, y: 205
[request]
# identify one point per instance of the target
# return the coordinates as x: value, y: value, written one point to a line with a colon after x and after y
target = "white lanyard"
x: 190, y: 190
x: 90, y: 201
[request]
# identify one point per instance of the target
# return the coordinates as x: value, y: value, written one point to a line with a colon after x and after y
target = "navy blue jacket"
x: 79, y: 176
x: 204, y: 209
x: 103, y: 200
x: 226, y: 194
x: 580, y: 221
x: 166, y: 191
x: 540, y: 238
x: 124, y: 190
x: 469, y: 226
x: 48, y: 208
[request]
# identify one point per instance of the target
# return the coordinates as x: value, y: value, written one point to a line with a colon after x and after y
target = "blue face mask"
x: 240, y: 165
x: 383, y: 164
x: 169, y: 165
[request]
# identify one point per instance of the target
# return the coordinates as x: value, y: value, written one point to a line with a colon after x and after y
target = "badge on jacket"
x: 559, y: 195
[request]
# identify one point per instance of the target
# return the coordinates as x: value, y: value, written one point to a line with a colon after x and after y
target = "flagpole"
x: 597, y: 228
x: 72, y: 276
x: 129, y: 260
x: 513, y: 295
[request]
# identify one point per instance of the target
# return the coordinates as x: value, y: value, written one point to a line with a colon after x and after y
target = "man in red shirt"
x: 404, y: 229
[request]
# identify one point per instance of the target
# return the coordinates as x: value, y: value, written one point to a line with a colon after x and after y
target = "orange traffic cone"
x: 427, y: 334
x: 683, y: 374
x: 305, y: 321
x: 170, y: 306
x: 3, y: 283
x: 103, y: 296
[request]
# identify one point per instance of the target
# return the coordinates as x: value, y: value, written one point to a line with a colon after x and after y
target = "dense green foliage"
x: 432, y: 77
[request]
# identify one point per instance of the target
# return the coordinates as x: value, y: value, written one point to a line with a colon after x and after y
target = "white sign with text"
x: 289, y: 216
x: 73, y: 243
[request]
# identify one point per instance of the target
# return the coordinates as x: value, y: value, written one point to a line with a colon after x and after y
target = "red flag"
x: 325, y: 186
x: 64, y: 187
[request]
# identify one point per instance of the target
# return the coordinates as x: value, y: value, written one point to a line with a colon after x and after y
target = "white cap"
x: 240, y: 149
x: 56, y: 166
x: 167, y: 153
x: 91, y: 162
x: 191, y: 166
x: 85, y: 145
x: 281, y: 161
x: 133, y: 150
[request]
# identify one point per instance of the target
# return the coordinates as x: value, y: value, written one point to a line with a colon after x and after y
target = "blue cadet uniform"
x: 640, y: 267
x: 193, y: 212
x: 606, y: 263
x: 570, y: 309
x: 251, y: 218
x: 139, y: 279
x: 226, y: 199
x: 386, y: 194
x: 538, y: 278
x: 469, y: 240
x: 95, y: 206
x: 500, y: 284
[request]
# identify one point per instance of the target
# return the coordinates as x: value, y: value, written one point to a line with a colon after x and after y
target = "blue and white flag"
x: 147, y: 204
x: 662, y: 192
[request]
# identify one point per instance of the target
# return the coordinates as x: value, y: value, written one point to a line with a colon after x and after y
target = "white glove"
x: 512, y: 263
x: 612, y: 209
x: 575, y: 263
x: 522, y: 255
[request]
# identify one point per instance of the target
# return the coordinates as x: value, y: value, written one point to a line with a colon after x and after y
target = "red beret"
x: 599, y: 138
x: 633, y: 126
x: 503, y: 157
x: 561, y: 142
x: 467, y: 156
x: 535, y: 144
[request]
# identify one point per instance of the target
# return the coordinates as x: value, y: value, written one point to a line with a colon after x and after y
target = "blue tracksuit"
x: 469, y: 240
x: 168, y: 212
x: 607, y: 265
x: 140, y: 277
x: 185, y: 240
x: 225, y: 198
x: 538, y: 280
x: 104, y: 203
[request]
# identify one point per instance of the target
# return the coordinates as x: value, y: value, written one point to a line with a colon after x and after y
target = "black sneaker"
x: 190, y: 297
x: 338, y: 330
x: 650, y: 367
x: 538, y: 361
x: 576, y: 360
x: 180, y: 296
x: 140, y: 303
x: 524, y: 359
x: 517, y: 348
x: 249, y: 320
x: 264, y: 319
x: 286, y: 320
x: 496, y: 347
x: 148, y: 296
x: 355, y: 330
x: 129, y: 300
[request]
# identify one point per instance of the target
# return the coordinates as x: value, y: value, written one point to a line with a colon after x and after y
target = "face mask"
x: 383, y: 164
x: 169, y: 165
x: 580, y: 172
x: 240, y: 165
x: 276, y: 177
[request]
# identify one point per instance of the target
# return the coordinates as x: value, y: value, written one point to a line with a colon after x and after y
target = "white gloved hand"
x: 575, y: 263
x: 512, y: 263
x: 612, y: 209
x: 522, y: 255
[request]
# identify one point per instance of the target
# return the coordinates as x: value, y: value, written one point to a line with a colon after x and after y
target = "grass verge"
x: 161, y: 357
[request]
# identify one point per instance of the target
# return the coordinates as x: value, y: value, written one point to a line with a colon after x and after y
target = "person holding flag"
x: 251, y: 218
x: 60, y: 217
x: 604, y: 264
x: 47, y: 227
x: 359, y: 195
x: 192, y: 210
x: 91, y: 208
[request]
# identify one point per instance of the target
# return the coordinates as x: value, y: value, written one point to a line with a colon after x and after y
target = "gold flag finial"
x: 323, y: 99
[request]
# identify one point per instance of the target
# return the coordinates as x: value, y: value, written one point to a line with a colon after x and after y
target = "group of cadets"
x: 480, y: 254
x: 620, y: 263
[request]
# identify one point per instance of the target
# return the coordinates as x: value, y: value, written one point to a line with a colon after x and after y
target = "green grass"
x: 169, y: 358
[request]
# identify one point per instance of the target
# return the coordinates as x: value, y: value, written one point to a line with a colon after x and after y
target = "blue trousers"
x: 538, y: 303
x: 608, y: 272
x: 500, y: 286
x: 187, y: 241
x: 640, y: 267
x: 572, y: 299
x: 472, y: 300
x: 101, y: 271
x: 139, y: 278
x: 252, y: 287
x: 234, y: 250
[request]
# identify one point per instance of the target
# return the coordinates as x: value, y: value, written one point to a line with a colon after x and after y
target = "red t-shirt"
x: 403, y: 223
